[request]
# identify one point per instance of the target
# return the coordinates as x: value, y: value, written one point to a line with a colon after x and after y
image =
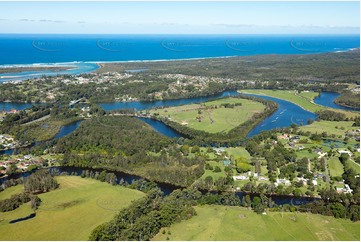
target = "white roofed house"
x: 344, y: 152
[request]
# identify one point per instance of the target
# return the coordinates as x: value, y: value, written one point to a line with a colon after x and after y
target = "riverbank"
x: 302, y: 102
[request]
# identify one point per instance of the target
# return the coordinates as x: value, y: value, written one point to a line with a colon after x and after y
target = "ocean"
x: 83, y: 51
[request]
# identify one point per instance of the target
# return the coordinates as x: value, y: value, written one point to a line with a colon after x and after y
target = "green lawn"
x: 214, y: 175
x: 309, y: 95
x: 353, y: 166
x: 236, y: 223
x: 335, y: 166
x: 238, y: 152
x: 69, y: 213
x: 11, y: 191
x: 329, y: 127
x: 305, y: 153
x: 303, y: 101
x: 224, y: 119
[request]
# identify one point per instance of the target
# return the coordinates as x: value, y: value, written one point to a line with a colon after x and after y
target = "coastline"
x: 102, y: 63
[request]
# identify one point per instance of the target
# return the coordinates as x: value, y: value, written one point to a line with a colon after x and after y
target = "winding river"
x: 286, y: 114
x: 64, y: 130
x: 327, y: 99
x: 166, y: 188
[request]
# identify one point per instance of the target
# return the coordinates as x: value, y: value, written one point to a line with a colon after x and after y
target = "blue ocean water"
x: 29, y: 49
x: 81, y: 52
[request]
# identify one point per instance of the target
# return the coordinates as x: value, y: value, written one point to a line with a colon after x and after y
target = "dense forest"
x: 316, y: 72
x: 326, y: 67
x: 349, y: 99
x: 127, y: 144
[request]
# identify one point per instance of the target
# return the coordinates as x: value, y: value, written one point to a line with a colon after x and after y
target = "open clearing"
x: 70, y: 212
x: 237, y: 223
x: 329, y: 127
x: 335, y: 167
x: 303, y: 100
x: 212, y: 120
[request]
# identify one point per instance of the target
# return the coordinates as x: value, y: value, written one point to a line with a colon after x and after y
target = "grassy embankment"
x: 304, y: 99
x: 237, y: 223
x: 214, y: 120
x: 70, y: 212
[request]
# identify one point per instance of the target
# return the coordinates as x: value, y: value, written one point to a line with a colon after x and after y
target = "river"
x: 166, y: 188
x: 139, y: 105
x: 286, y: 114
x: 327, y: 99
x: 64, y: 130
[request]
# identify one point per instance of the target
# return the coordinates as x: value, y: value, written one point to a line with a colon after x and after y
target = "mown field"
x: 214, y: 120
x: 331, y: 127
x: 70, y: 212
x: 304, y: 100
x: 237, y: 223
x: 335, y: 166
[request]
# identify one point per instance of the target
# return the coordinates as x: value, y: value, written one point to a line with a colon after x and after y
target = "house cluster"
x: 249, y: 174
x: 345, y: 189
x: 197, y: 82
x: 285, y: 182
x: 219, y: 151
x: 304, y: 180
x: 108, y: 77
x: 85, y: 112
x: 345, y: 152
x: 22, y: 163
x: 7, y: 142
x: 9, y: 111
x: 292, y: 140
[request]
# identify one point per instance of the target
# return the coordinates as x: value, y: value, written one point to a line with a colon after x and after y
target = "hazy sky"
x: 180, y: 17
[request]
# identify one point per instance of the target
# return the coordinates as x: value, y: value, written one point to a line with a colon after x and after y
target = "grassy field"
x: 309, y: 95
x: 335, y: 166
x: 236, y: 223
x: 238, y: 152
x: 214, y: 175
x: 329, y: 127
x: 353, y: 166
x: 68, y: 213
x: 224, y: 119
x: 10, y: 191
x: 303, y: 100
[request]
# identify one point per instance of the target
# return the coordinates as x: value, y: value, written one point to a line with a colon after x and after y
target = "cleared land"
x: 353, y: 165
x: 69, y: 213
x: 238, y: 152
x: 236, y: 223
x: 335, y: 167
x: 212, y: 120
x: 329, y: 127
x: 303, y: 100
x: 308, y: 95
